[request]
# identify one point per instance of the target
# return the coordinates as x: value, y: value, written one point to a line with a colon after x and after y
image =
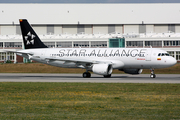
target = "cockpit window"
x: 166, y: 54
x: 163, y: 54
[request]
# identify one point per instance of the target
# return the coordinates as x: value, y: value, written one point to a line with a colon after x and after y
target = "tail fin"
x: 30, y: 38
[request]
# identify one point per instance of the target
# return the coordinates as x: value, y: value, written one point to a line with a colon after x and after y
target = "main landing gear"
x: 107, y: 76
x: 152, y: 74
x: 86, y: 75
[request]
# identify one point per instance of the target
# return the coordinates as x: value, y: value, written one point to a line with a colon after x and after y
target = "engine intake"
x: 102, y: 69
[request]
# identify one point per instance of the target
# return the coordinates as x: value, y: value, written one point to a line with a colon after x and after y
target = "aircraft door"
x: 43, y: 54
x: 148, y: 55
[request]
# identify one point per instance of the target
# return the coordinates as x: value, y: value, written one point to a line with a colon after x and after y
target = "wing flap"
x: 74, y: 60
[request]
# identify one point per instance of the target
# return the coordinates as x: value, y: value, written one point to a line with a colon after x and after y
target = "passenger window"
x: 159, y: 54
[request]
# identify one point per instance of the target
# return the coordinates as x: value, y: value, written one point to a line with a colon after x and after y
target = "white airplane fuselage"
x: 100, y: 61
x: 120, y: 58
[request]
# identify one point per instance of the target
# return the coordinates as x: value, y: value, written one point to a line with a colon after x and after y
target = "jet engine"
x: 102, y: 69
x: 132, y: 71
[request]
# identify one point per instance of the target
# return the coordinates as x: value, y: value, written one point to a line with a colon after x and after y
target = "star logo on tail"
x: 29, y: 38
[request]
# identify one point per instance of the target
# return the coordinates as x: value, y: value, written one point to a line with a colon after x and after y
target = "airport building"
x: 92, y: 25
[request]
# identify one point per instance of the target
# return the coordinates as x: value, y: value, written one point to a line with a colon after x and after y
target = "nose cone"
x: 172, y: 61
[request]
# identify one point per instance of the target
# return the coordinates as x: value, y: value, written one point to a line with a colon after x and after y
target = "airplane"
x: 100, y: 61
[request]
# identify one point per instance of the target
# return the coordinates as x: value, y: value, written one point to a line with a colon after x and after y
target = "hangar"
x: 92, y: 25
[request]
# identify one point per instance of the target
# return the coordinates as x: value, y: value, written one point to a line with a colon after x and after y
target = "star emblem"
x: 29, y: 38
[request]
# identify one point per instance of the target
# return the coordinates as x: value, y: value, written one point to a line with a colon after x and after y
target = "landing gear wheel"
x: 107, y: 76
x: 152, y: 76
x: 86, y: 75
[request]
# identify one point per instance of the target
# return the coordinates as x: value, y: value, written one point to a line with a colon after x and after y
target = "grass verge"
x: 43, y: 68
x: 89, y: 101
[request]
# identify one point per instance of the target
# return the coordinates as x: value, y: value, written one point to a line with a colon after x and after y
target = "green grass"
x: 108, y: 101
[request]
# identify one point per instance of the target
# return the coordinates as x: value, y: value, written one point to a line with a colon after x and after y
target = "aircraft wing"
x: 84, y: 62
x: 24, y: 52
x: 78, y: 60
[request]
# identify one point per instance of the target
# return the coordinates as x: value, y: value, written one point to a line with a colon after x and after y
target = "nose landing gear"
x: 152, y: 74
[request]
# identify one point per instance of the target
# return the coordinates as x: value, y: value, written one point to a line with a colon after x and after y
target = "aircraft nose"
x: 172, y: 61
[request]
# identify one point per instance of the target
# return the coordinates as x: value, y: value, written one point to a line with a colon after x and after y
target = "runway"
x: 116, y: 78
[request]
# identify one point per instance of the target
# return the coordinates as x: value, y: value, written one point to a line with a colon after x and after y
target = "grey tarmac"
x: 116, y: 78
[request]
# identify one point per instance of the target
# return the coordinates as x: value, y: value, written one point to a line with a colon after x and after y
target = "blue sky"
x: 89, y: 1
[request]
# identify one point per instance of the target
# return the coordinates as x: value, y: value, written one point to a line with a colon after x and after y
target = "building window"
x: 2, y: 56
x: 6, y: 56
x: 111, y: 29
x: 1, y: 44
x: 171, y: 53
x: 10, y: 56
x: 142, y: 28
x: 171, y: 27
x: 64, y: 44
x: 13, y: 45
x: 153, y: 43
x: 172, y: 43
x: 81, y: 43
x: 50, y: 29
x: 99, y: 44
x: 178, y: 55
x: 134, y: 43
x: 80, y: 29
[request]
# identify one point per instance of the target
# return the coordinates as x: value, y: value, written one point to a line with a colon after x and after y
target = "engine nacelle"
x: 133, y: 71
x: 102, y: 69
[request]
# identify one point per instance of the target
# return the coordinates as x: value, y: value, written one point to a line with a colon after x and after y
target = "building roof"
x: 168, y: 13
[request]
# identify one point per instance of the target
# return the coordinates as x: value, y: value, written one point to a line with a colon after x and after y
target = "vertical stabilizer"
x: 30, y: 38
